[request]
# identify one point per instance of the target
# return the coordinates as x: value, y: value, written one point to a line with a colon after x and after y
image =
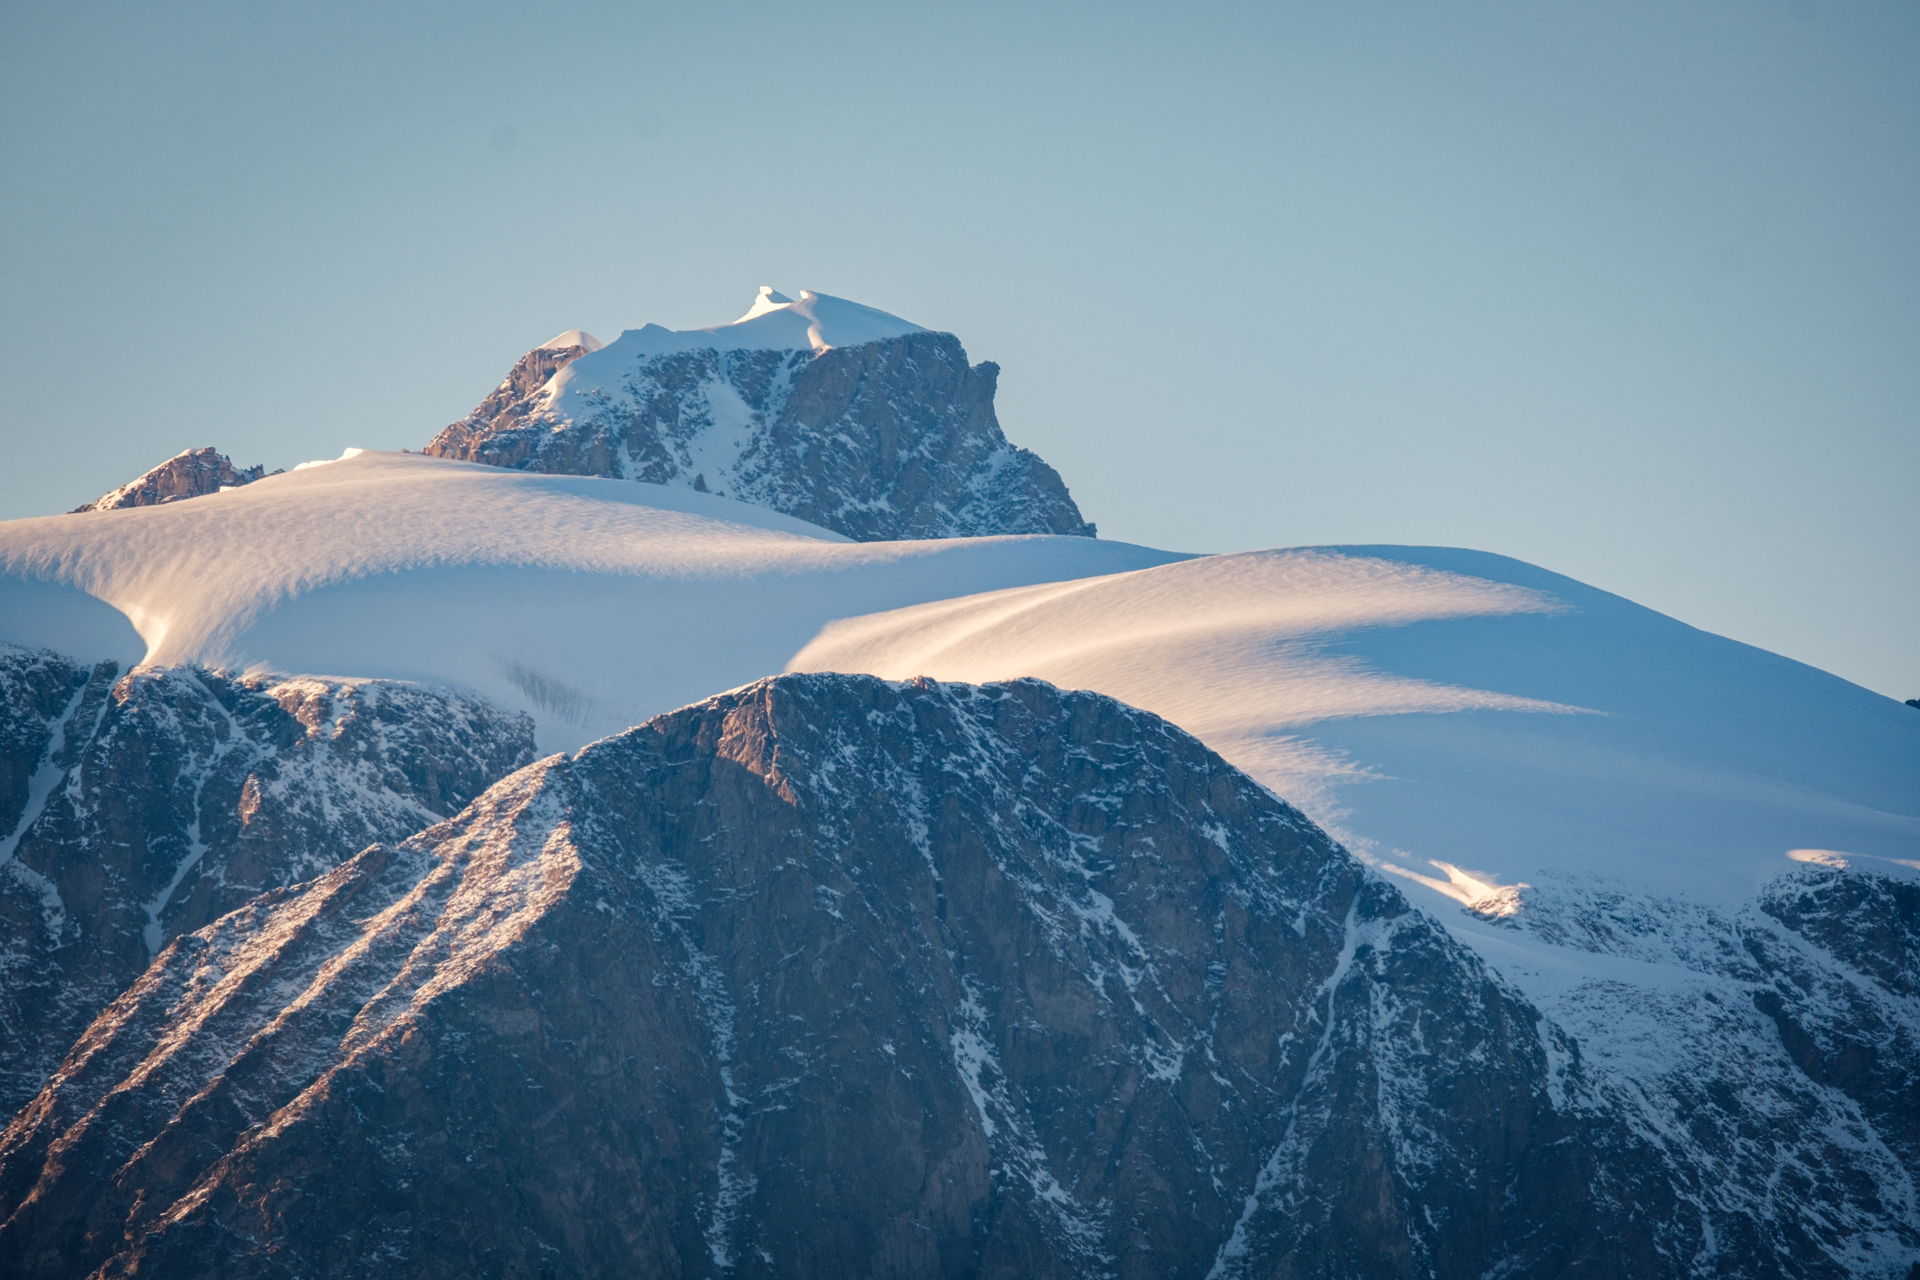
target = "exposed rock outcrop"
x: 1841, y: 971
x: 888, y: 439
x: 833, y: 977
x: 193, y: 473
x: 134, y: 809
x: 829, y: 976
x: 530, y: 373
x: 1770, y: 1054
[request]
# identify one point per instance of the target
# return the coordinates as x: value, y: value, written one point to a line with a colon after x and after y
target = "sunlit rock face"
x: 193, y: 473
x: 888, y: 439
x: 138, y: 808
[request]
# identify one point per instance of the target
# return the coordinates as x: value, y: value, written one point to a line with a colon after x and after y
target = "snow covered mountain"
x: 1631, y: 821
x: 1687, y: 872
x: 834, y: 976
x: 591, y: 604
x: 841, y: 415
x: 829, y: 974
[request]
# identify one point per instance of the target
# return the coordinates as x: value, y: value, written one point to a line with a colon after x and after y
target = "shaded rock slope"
x: 829, y: 976
x: 1770, y: 1056
x: 1840, y: 978
x: 192, y: 473
x: 137, y: 808
x: 882, y: 440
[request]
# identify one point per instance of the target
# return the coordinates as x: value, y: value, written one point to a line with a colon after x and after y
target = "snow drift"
x: 1695, y: 858
x: 591, y: 604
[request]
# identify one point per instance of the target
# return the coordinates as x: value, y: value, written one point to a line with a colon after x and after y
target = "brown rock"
x: 193, y: 473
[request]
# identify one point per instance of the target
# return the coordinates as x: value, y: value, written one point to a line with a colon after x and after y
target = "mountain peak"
x: 1104, y: 921
x: 833, y: 412
x: 571, y: 338
x: 775, y: 322
x: 769, y: 300
x: 191, y: 473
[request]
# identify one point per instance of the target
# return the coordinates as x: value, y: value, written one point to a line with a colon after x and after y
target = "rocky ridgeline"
x: 829, y: 976
x: 193, y: 473
x: 137, y: 808
x: 880, y: 440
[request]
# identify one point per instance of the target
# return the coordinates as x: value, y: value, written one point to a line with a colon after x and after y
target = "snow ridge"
x: 813, y: 322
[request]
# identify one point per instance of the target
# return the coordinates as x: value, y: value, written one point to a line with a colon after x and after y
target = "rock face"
x: 834, y: 977
x: 881, y: 440
x: 1775, y: 1067
x: 527, y: 377
x: 138, y: 808
x: 1842, y: 983
x: 191, y: 474
x: 829, y: 976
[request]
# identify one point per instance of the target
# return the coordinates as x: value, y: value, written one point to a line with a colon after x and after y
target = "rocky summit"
x: 137, y: 808
x: 887, y: 439
x: 832, y: 976
x: 192, y: 473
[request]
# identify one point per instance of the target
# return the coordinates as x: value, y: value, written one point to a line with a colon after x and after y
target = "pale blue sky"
x: 1631, y: 291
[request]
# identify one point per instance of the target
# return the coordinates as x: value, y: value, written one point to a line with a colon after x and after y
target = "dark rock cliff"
x: 891, y: 439
x: 1842, y: 984
x: 1774, y: 1066
x: 194, y: 473
x: 134, y: 809
x: 832, y: 977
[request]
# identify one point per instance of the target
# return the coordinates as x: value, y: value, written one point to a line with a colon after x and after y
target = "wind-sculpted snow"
x: 890, y: 436
x: 774, y: 322
x: 156, y: 802
x: 1610, y: 807
x: 830, y: 976
x: 1467, y: 721
x: 1238, y: 649
x: 590, y: 604
x: 1600, y: 801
